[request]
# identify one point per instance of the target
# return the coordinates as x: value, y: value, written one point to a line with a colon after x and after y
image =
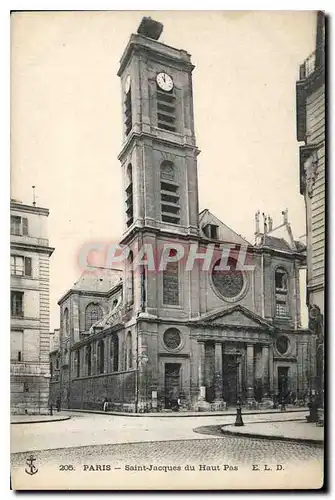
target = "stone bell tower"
x: 159, y: 153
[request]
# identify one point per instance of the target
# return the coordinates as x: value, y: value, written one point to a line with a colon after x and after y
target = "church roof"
x: 276, y: 243
x: 95, y: 279
x: 225, y: 233
x: 98, y: 279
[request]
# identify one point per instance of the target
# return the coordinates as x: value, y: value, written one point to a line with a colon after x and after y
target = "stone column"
x: 250, y: 375
x: 271, y: 373
x: 265, y: 376
x: 239, y: 386
x: 202, y: 404
x: 201, y: 374
x: 218, y: 372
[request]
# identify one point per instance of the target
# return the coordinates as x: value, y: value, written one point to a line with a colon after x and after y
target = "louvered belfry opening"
x: 166, y: 110
x: 170, y: 207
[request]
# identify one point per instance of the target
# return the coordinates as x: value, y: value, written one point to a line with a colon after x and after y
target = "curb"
x: 184, y: 414
x: 319, y: 442
x: 41, y: 421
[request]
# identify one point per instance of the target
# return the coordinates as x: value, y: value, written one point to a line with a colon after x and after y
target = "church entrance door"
x: 283, y: 381
x: 230, y: 378
x: 172, y: 383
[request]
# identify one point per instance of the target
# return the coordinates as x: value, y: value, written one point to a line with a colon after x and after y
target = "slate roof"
x: 99, y: 279
x: 276, y: 243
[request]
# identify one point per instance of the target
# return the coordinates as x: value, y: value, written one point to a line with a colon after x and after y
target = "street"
x: 105, y: 443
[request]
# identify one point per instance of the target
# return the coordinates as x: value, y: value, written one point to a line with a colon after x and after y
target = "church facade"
x: 220, y: 320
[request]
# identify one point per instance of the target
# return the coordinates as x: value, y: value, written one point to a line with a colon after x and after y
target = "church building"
x: 209, y: 334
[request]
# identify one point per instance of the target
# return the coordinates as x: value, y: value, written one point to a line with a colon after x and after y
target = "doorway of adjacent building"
x: 172, y: 382
x: 283, y: 380
x: 230, y: 378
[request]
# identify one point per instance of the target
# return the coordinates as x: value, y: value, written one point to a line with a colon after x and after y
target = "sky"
x: 66, y: 119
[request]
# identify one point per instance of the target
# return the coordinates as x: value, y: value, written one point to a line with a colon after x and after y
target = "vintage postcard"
x: 167, y: 250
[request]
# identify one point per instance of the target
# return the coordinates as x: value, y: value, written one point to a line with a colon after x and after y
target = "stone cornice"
x: 147, y: 135
x: 89, y: 293
x: 163, y: 52
x: 96, y: 336
x: 313, y: 81
x: 32, y: 247
x: 20, y: 207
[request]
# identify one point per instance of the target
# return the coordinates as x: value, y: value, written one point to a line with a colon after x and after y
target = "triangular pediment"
x: 237, y: 316
x: 225, y: 233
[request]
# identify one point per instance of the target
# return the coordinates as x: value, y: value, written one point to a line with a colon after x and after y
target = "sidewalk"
x: 296, y: 430
x: 169, y: 413
x: 87, y: 429
x: 36, y: 419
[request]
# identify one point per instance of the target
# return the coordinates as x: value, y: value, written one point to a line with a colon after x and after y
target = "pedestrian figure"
x: 105, y: 404
x: 174, y: 397
x: 58, y: 404
x: 282, y: 406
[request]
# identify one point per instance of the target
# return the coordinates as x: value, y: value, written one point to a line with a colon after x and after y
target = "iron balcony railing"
x: 313, y: 62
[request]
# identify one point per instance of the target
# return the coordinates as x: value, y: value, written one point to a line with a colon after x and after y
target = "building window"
x: 166, y: 110
x: 93, y: 313
x: 89, y: 359
x: 281, y: 284
x: 229, y: 283
x: 20, y: 266
x: 170, y: 207
x: 101, y: 356
x: 57, y: 363
x: 51, y: 369
x: 128, y: 112
x: 16, y: 345
x: 129, y: 352
x: 18, y: 225
x: 129, y: 196
x: 171, y: 282
x: 66, y: 321
x: 16, y: 303
x: 114, y: 353
x: 211, y: 231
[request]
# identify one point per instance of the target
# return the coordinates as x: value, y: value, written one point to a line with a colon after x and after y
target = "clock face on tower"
x: 164, y: 81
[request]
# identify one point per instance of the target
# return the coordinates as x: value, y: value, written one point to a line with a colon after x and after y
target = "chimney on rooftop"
x: 285, y: 216
x: 257, y: 222
x: 265, y: 223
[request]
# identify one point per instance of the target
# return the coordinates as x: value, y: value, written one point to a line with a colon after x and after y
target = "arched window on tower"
x: 101, y: 356
x: 66, y: 321
x: 114, y: 353
x: 170, y: 207
x: 129, y: 352
x: 129, y: 196
x: 281, y: 285
x: 89, y: 359
x: 93, y: 313
x: 130, y: 278
x: 171, y: 281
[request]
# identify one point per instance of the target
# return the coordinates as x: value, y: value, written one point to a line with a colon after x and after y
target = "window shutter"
x: 27, y: 266
x: 24, y: 226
